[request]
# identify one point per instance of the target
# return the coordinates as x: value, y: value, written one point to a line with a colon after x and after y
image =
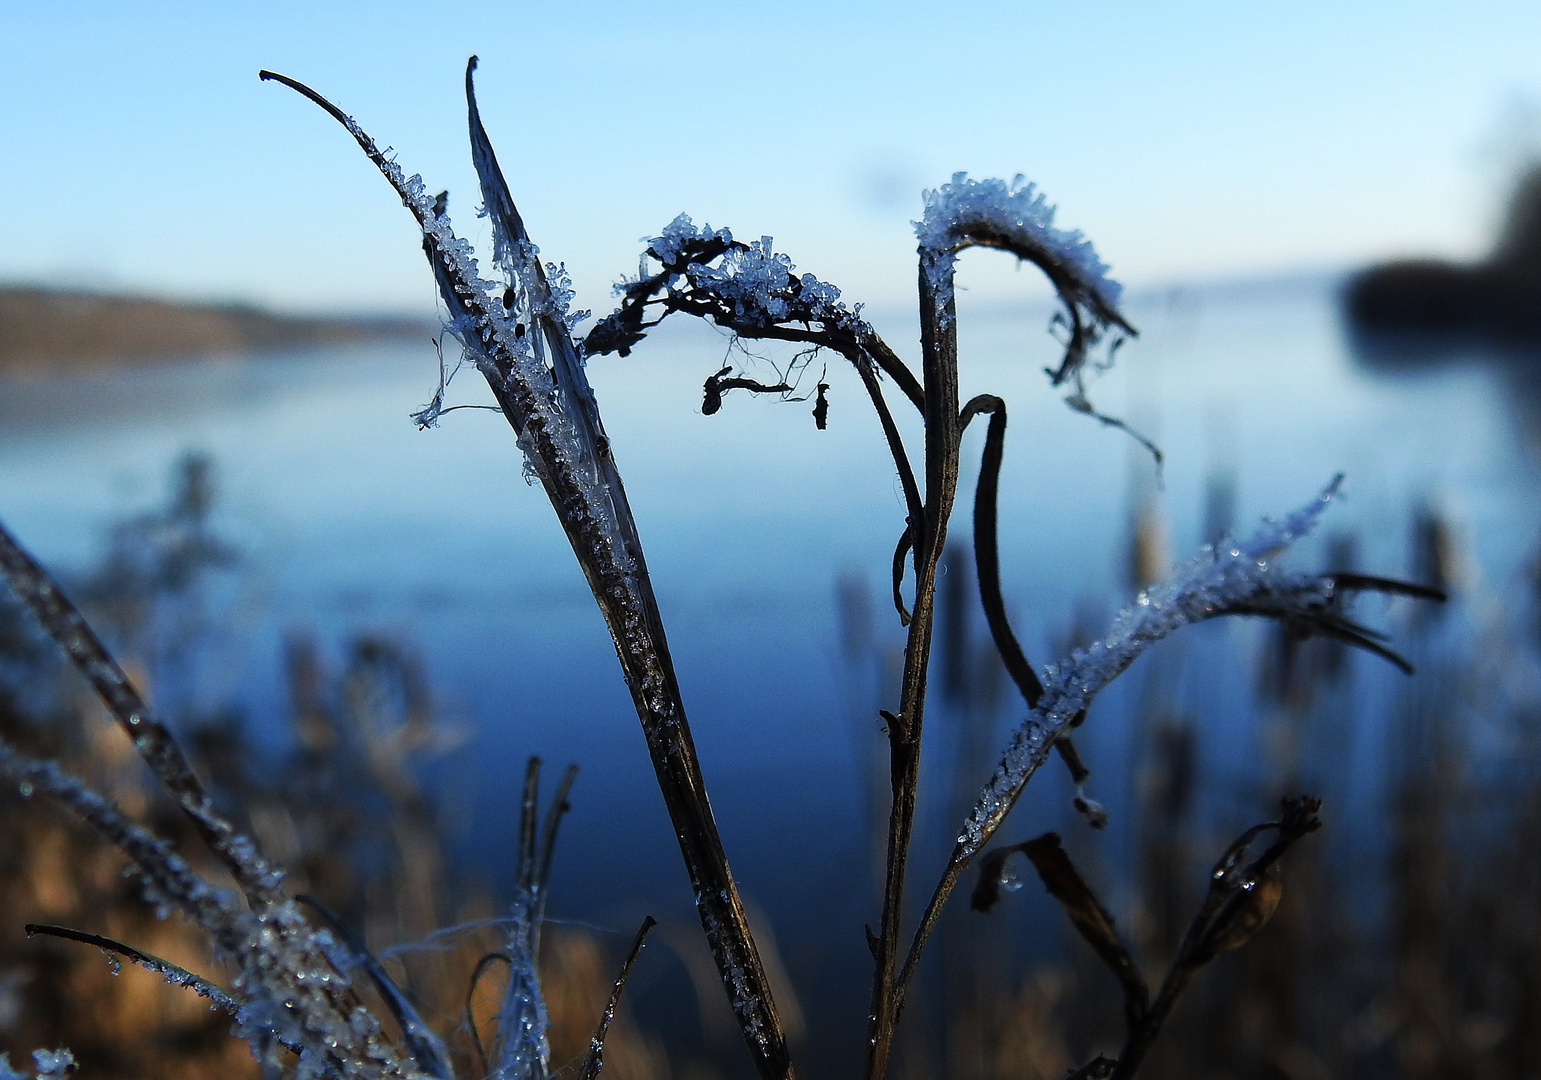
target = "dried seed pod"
x: 1248, y: 913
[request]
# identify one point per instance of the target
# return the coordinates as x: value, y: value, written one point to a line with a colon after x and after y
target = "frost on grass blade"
x: 1231, y: 578
x: 1017, y: 218
x: 517, y: 331
x: 288, y: 992
x: 524, y: 1050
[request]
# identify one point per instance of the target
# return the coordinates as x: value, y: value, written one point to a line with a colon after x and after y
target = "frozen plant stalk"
x: 516, y: 328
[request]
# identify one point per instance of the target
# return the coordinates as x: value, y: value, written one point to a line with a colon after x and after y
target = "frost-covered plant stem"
x: 552, y: 411
x: 749, y: 289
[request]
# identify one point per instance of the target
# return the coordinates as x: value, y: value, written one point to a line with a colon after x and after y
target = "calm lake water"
x: 349, y: 519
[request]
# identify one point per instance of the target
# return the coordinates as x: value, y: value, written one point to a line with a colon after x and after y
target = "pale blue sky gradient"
x: 139, y: 151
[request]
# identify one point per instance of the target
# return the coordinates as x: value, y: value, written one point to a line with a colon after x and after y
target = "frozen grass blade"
x: 172, y: 973
x: 422, y: 1043
x: 1235, y: 578
x: 63, y: 622
x: 548, y: 405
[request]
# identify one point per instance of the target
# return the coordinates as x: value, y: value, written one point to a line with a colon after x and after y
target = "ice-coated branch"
x: 517, y: 330
x: 172, y: 973
x: 752, y: 290
x: 1232, y: 578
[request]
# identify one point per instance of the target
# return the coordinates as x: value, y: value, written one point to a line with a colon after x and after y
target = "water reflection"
x: 1515, y: 365
x: 1424, y: 314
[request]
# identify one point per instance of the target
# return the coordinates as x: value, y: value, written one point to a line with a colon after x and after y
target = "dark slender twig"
x: 1080, y: 903
x: 1242, y: 895
x: 177, y: 976
x: 939, y: 352
x: 1346, y: 582
x: 901, y: 551
x: 987, y: 566
x: 1068, y: 753
x: 1080, y: 403
x: 914, y: 508
x: 719, y: 384
x: 986, y: 546
x: 529, y: 821
x: 554, y: 814
x: 594, y: 1060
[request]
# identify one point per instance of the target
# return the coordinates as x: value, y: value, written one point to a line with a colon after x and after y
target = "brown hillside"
x: 44, y: 327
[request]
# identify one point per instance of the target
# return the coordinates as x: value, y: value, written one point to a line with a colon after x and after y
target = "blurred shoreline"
x: 43, y: 330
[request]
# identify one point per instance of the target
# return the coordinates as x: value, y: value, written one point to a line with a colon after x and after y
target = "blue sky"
x: 139, y: 151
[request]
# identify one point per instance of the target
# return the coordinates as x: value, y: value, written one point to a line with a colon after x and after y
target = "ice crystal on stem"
x: 1231, y: 578
x: 1018, y: 214
x: 1017, y: 218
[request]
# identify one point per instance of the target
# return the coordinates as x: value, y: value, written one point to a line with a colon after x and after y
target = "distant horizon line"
x: 1269, y: 279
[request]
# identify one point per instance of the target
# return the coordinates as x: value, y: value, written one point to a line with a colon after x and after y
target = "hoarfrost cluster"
x: 677, y: 236
x: 1017, y: 214
x: 751, y: 289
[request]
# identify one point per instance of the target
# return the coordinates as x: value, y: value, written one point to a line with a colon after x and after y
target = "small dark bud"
x: 711, y: 392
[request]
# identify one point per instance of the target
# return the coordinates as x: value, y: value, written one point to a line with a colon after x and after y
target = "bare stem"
x: 939, y: 347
